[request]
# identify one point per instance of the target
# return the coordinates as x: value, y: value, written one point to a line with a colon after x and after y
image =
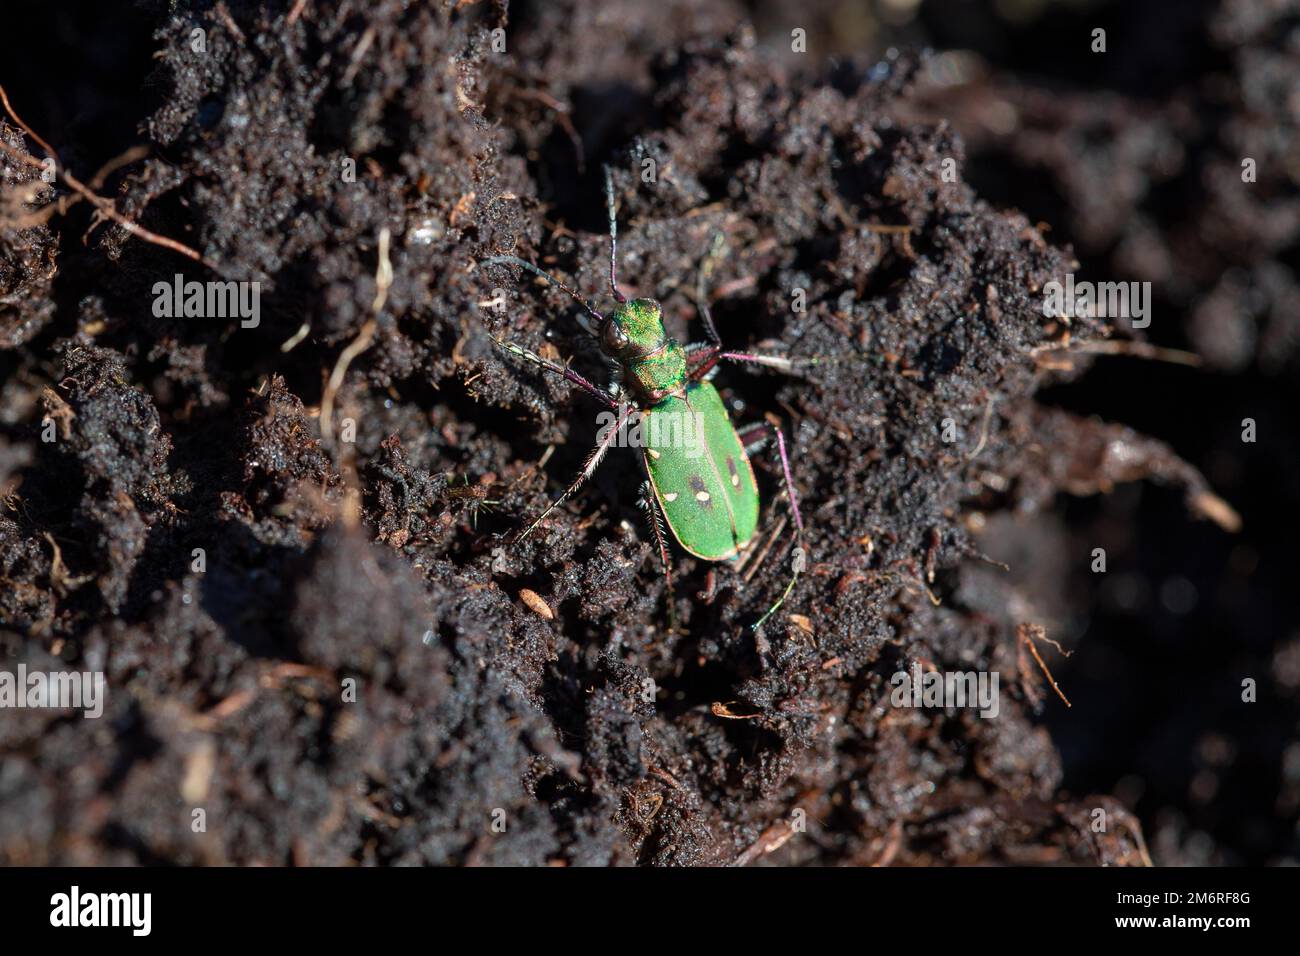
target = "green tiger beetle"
x: 706, y: 495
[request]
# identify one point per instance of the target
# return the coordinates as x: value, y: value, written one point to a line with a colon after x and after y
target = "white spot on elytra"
x: 701, y: 496
x: 670, y: 497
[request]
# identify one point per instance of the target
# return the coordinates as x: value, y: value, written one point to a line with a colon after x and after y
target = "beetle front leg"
x: 593, y: 462
x: 566, y: 373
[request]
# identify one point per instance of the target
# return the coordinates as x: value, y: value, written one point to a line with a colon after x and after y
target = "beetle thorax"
x: 653, y: 365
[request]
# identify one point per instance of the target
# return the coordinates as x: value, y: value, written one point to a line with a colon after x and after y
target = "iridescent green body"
x: 698, y: 468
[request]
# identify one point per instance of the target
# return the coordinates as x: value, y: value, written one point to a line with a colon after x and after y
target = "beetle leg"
x: 655, y: 518
x: 701, y: 361
x: 593, y: 462
x: 779, y: 362
x: 755, y: 437
x: 701, y: 294
x: 752, y: 438
x: 568, y: 373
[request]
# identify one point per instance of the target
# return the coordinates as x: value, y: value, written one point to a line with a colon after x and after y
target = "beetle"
x: 703, y: 491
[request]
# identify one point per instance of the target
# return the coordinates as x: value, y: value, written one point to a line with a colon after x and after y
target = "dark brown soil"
x: 579, y: 729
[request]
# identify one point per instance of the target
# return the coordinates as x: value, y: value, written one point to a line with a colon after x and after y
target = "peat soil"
x: 292, y: 547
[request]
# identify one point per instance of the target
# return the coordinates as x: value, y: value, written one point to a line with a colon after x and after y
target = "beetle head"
x: 633, y: 330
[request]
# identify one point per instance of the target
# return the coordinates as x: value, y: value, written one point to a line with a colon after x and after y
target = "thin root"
x: 1028, y: 635
x: 383, y: 279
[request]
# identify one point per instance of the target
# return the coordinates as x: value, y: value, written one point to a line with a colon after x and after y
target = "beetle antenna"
x: 613, y: 237
x: 516, y: 261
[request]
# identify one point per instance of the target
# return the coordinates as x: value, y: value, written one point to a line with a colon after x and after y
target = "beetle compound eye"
x: 615, y: 338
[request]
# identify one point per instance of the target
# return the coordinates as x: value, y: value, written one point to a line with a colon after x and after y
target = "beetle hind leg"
x: 753, y: 438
